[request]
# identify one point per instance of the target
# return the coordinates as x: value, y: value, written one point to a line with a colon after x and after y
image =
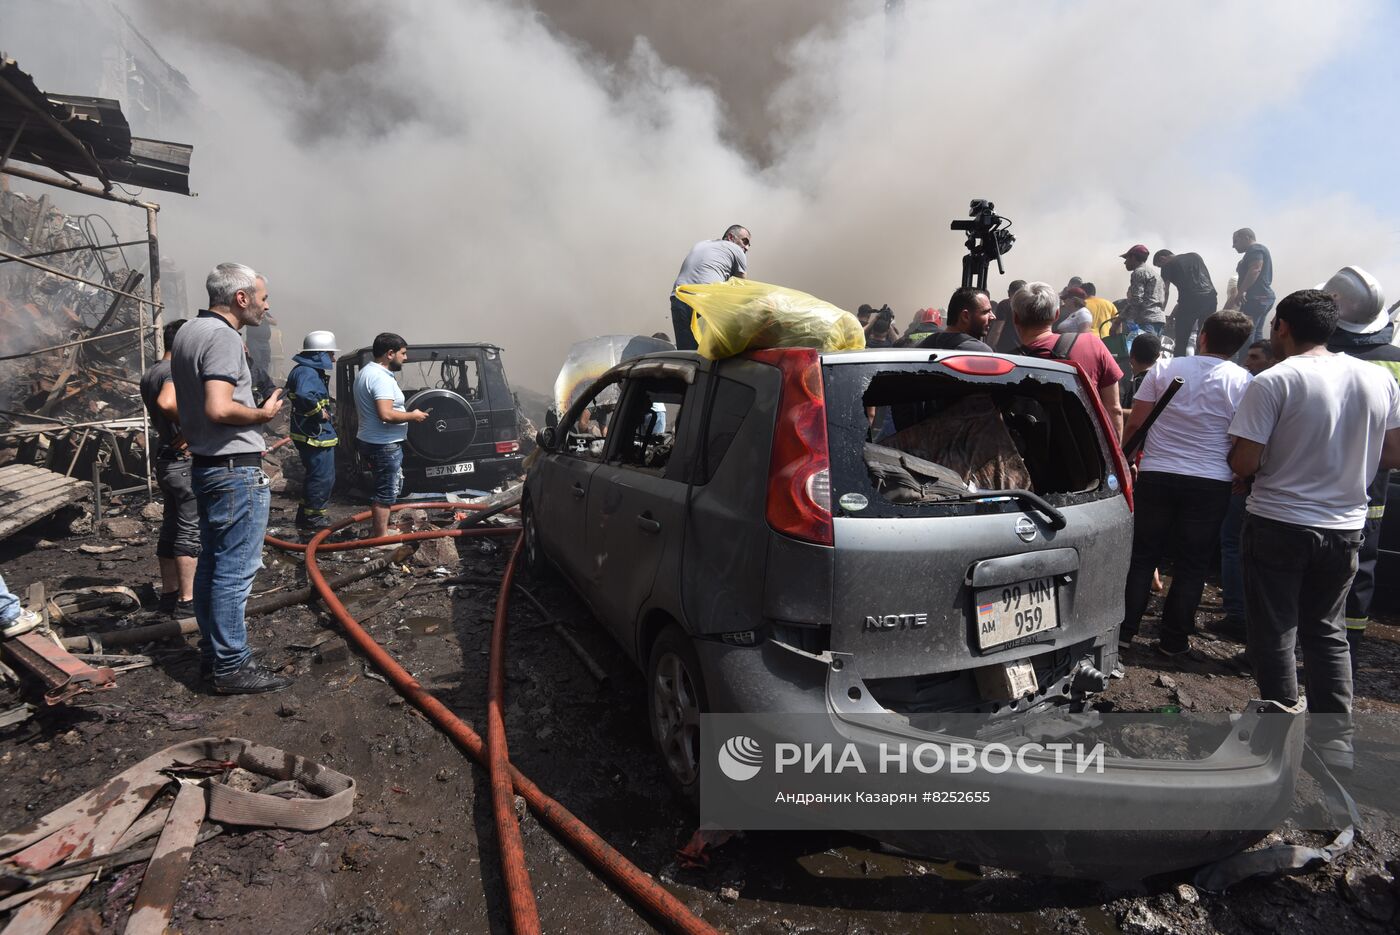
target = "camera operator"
x: 881, y: 330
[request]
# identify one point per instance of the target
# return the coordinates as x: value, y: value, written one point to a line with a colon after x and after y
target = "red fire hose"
x: 625, y: 875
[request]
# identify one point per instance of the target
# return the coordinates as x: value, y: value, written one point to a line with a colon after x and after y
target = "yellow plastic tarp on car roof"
x: 738, y: 315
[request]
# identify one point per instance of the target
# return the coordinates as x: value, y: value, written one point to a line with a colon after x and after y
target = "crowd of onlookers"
x: 1274, y: 453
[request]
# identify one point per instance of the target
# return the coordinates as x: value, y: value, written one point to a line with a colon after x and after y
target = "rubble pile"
x: 92, y: 385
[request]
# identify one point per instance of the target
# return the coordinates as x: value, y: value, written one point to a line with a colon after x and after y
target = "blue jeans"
x: 1257, y: 308
x: 233, y: 505
x: 1156, y: 327
x: 386, y: 464
x: 1231, y: 573
x: 9, y: 604
x: 320, y: 479
x: 680, y: 324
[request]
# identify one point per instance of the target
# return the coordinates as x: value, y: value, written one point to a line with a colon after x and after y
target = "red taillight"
x: 799, y: 469
x: 505, y: 448
x: 1120, y: 465
x: 978, y: 366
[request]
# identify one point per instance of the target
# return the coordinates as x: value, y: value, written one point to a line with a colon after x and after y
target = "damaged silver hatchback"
x: 898, y: 533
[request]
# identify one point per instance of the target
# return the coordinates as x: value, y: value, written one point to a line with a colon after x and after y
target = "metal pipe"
x: 141, y: 337
x: 153, y: 243
x: 58, y: 347
x: 73, y: 186
x: 78, y: 249
x: 184, y: 626
x: 19, y: 131
x: 128, y: 423
x: 58, y: 272
x: 97, y: 494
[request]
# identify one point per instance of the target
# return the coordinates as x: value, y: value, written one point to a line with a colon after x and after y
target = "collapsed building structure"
x: 80, y: 309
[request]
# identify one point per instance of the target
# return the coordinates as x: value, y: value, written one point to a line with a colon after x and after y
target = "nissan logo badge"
x: 1025, y: 529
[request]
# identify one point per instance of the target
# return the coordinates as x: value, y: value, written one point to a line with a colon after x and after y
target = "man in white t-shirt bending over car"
x: 1311, y: 431
x: 1183, y: 485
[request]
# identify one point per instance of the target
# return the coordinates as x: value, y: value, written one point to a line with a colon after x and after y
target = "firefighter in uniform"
x: 313, y: 426
x: 1364, y: 331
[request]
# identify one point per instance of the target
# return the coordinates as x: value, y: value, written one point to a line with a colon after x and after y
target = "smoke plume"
x: 532, y: 174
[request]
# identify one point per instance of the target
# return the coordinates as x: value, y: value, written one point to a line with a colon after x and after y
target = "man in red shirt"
x: 1034, y: 309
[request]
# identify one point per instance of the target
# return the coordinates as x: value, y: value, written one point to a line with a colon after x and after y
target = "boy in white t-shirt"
x: 1311, y: 431
x: 1183, y: 484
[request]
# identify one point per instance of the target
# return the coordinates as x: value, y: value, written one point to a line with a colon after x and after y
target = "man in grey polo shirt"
x: 214, y: 393
x: 708, y: 261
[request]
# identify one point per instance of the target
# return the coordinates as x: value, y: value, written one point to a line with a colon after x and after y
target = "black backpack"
x: 1059, y: 352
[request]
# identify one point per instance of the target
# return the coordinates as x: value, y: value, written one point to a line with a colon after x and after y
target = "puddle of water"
x: 428, y: 626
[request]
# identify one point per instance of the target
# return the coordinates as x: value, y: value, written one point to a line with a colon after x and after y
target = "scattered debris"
x: 695, y: 854
x: 1372, y: 892
x: 49, y: 863
x: 16, y: 715
x: 588, y: 661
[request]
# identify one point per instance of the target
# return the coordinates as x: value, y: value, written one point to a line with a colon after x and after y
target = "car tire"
x: 676, y: 698
x: 532, y: 553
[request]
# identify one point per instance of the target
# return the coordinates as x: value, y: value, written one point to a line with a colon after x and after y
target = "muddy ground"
x: 418, y: 854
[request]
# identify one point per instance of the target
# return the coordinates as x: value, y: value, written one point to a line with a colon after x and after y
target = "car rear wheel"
x: 675, y: 700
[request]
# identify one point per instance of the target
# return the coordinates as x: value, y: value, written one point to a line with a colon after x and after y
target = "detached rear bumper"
x: 1129, y: 819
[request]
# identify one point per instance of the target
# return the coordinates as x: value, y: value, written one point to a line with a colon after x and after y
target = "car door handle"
x: 578, y: 491
x: 645, y: 521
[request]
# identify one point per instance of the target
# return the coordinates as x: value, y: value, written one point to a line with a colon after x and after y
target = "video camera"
x: 989, y: 237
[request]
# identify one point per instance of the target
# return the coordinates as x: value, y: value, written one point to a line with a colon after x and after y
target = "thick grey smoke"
x: 489, y: 170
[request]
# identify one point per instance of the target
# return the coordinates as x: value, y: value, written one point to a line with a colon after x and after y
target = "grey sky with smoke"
x: 483, y: 170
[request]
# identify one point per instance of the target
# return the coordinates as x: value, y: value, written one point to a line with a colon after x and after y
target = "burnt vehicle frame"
x: 701, y: 548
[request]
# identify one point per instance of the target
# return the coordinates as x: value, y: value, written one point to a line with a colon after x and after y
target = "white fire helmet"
x: 1360, y: 302
x: 320, y: 341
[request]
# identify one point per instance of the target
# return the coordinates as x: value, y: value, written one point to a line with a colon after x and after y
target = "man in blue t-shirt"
x: 383, y: 425
x: 1256, y: 281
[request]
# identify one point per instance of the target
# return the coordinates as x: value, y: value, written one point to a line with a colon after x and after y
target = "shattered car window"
x: 460, y: 375
x: 927, y: 440
x: 649, y: 422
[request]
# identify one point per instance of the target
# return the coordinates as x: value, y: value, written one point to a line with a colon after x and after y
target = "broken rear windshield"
x: 915, y: 439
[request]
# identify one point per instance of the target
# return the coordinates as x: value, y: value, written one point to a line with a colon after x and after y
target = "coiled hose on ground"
x: 621, y: 872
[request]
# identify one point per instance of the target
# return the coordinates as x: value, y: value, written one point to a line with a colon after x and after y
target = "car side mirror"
x: 551, y: 419
x: 545, y: 438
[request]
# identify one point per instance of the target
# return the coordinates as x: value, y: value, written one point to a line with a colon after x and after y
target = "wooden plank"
x: 28, y: 481
x: 15, y: 498
x: 38, y: 511
x: 65, y: 493
x: 15, y: 471
x: 17, y: 477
